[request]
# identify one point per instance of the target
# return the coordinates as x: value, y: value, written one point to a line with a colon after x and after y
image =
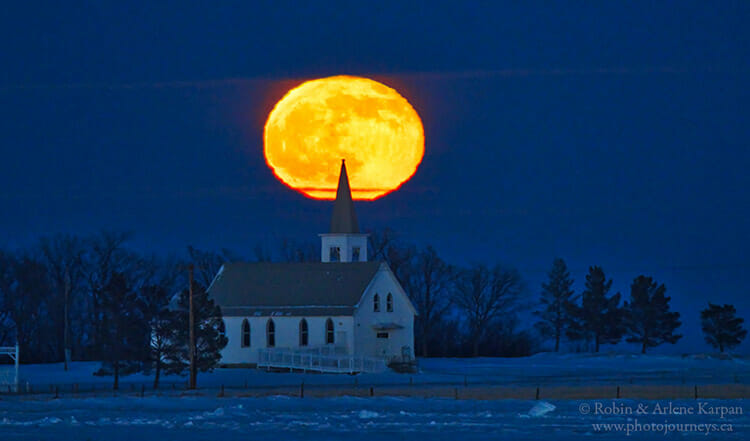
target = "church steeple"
x: 344, y: 243
x: 344, y: 219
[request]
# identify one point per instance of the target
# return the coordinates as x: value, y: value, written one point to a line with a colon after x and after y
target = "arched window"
x: 389, y: 302
x: 376, y: 303
x: 329, y: 331
x: 270, y: 334
x: 245, y: 334
x: 303, y: 332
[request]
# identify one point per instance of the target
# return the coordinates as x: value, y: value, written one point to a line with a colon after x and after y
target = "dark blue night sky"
x: 610, y: 133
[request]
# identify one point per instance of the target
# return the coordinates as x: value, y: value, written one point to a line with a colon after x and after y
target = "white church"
x: 343, y: 314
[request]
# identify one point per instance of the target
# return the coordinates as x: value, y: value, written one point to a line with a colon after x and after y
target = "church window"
x: 245, y: 334
x: 329, y: 331
x: 355, y: 254
x: 335, y: 254
x: 389, y: 302
x: 376, y: 303
x: 303, y: 332
x: 270, y: 334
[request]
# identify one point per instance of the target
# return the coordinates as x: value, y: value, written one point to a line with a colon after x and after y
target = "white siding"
x: 287, y: 335
x: 365, y: 336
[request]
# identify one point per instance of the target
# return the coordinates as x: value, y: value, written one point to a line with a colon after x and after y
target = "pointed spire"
x: 344, y: 219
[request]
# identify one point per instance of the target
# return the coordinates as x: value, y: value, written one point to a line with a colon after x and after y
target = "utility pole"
x: 192, y: 328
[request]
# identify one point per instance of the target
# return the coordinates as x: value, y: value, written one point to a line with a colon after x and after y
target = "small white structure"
x: 343, y: 314
x: 9, y: 374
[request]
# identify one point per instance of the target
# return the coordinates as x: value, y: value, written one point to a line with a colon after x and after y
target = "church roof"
x: 344, y: 219
x: 291, y: 288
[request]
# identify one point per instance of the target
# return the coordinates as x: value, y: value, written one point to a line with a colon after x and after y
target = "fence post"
x: 372, y: 391
x: 618, y: 391
x: 302, y: 390
x: 537, y: 392
x: 455, y: 393
x: 695, y: 390
x: 221, y: 391
x: 57, y: 395
x: 142, y: 390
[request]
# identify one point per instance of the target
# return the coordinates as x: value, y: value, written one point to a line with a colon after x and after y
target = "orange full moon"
x: 320, y: 122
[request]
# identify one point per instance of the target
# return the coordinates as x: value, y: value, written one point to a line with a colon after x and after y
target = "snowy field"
x: 363, y: 419
x: 540, y: 369
x: 201, y: 415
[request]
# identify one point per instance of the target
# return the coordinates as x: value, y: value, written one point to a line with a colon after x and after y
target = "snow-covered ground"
x: 364, y: 419
x: 203, y: 415
x: 543, y: 368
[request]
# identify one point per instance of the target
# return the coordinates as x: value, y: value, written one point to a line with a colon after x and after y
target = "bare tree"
x: 380, y: 241
x: 293, y: 251
x: 63, y: 256
x: 105, y: 255
x: 25, y: 302
x: 208, y: 263
x: 6, y: 283
x: 399, y: 257
x: 485, y: 295
x: 430, y: 283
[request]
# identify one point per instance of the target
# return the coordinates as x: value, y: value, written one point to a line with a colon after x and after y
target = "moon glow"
x: 320, y: 122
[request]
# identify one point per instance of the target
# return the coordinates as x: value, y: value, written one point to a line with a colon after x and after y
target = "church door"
x: 382, y: 344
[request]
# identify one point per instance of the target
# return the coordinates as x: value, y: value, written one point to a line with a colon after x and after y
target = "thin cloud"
x: 464, y: 74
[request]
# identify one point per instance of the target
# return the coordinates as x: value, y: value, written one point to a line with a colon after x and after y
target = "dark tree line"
x: 461, y: 311
x: 594, y: 317
x: 94, y: 298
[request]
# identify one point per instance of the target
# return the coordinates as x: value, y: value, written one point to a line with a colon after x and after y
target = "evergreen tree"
x: 209, y: 332
x: 648, y: 319
x: 721, y: 326
x: 557, y: 293
x: 161, y: 323
x: 125, y: 330
x: 598, y: 318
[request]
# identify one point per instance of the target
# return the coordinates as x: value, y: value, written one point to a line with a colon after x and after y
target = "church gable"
x: 385, y: 284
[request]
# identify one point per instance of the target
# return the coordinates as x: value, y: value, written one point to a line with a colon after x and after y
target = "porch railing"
x: 318, y: 360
